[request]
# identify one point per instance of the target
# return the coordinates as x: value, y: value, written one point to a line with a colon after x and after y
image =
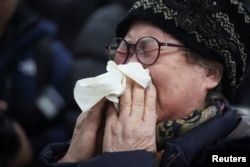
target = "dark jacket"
x: 226, y: 132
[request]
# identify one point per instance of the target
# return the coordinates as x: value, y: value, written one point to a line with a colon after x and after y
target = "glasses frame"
x: 134, y: 46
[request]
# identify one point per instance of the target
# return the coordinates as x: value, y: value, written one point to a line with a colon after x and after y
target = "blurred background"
x: 45, y: 47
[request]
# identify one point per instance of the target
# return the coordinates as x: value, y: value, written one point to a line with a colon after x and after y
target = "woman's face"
x: 181, y: 86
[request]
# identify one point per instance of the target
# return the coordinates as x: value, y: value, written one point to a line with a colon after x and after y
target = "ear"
x: 213, y: 77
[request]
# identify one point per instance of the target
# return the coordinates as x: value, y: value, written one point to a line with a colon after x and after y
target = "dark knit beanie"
x: 215, y: 29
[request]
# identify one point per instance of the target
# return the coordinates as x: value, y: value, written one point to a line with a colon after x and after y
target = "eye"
x: 147, y: 46
x: 117, y: 46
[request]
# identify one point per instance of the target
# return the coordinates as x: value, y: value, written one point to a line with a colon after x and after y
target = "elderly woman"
x: 196, y: 52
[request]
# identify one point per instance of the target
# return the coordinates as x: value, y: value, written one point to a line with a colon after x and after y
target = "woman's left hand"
x: 133, y: 126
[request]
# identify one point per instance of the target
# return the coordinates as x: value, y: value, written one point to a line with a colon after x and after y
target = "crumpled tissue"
x: 89, y: 91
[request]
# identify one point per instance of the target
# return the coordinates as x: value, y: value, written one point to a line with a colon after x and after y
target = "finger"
x: 111, y: 115
x: 80, y: 119
x: 138, y: 96
x: 150, y: 104
x: 110, y: 127
x: 95, y: 110
x: 94, y: 115
x: 79, y: 122
x: 126, y: 99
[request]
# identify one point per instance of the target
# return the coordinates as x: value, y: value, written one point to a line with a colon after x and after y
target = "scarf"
x: 167, y: 130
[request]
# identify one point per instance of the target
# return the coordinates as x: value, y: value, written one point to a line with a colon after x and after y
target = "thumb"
x: 94, y: 115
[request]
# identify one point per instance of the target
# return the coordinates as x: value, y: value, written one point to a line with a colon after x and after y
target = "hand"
x: 133, y: 127
x: 83, y: 143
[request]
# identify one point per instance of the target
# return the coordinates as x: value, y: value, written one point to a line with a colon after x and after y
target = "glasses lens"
x: 118, y: 50
x: 147, y: 50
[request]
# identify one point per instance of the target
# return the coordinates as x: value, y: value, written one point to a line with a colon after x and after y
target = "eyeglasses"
x: 146, y: 49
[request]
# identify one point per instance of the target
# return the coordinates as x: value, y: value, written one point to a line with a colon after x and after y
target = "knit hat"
x: 215, y: 29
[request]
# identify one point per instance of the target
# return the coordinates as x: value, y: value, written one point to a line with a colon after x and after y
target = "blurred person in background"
x: 70, y: 15
x: 34, y: 74
x: 15, y: 148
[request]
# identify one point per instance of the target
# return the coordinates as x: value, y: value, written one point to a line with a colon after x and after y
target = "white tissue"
x: 89, y: 91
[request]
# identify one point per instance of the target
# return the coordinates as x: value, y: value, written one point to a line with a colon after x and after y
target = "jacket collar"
x: 183, y: 149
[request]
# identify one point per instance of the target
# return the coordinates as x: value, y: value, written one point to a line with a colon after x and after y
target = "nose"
x: 132, y: 54
x: 132, y: 58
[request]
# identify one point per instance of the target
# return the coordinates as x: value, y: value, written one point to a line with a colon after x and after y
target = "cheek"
x: 173, y: 88
x: 160, y: 79
x: 164, y: 78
